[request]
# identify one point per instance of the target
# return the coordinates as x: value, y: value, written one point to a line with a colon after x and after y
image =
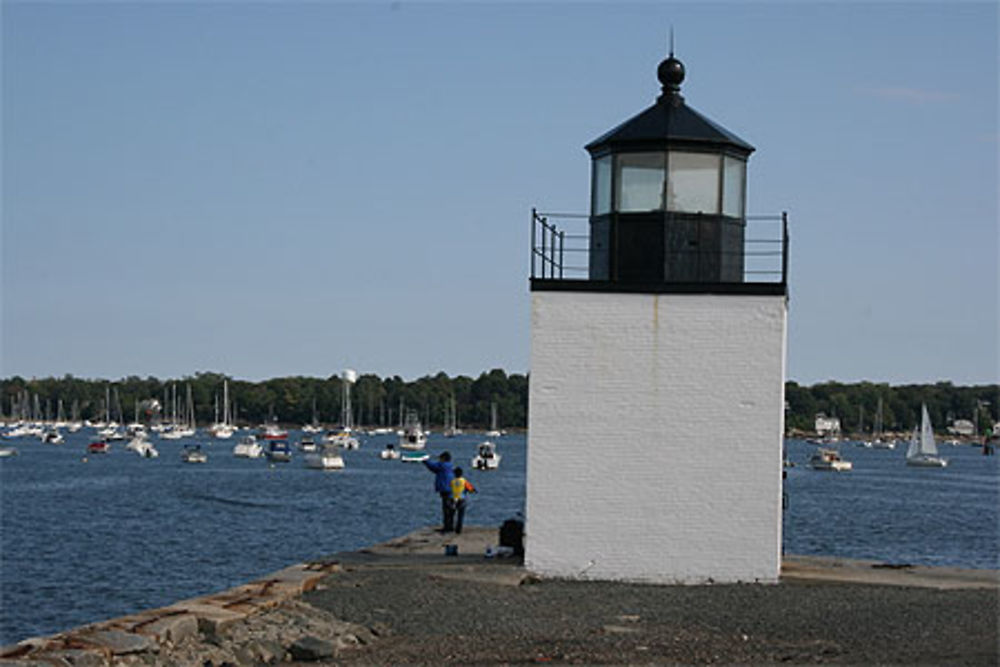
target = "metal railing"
x: 560, y: 247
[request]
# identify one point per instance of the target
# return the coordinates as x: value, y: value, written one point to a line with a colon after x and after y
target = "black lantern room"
x: 668, y: 193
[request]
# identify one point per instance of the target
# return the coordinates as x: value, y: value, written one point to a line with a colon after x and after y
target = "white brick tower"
x: 656, y: 409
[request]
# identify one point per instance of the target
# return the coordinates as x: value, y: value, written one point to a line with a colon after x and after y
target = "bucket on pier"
x: 451, y: 550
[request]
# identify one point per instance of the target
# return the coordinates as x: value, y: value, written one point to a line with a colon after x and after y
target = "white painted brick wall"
x: 655, y: 436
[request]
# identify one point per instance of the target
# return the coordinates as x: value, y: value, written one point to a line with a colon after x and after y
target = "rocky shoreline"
x: 406, y: 602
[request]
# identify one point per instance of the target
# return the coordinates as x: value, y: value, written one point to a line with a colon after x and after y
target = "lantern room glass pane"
x: 733, y: 179
x: 601, y: 186
x: 640, y: 182
x: 693, y: 183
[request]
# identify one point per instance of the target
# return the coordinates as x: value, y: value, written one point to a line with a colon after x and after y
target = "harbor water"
x: 89, y: 537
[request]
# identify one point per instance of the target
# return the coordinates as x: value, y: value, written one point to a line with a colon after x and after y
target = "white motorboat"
x: 222, y: 431
x: 112, y: 433
x: 193, y: 454
x: 248, y: 448
x: 486, y: 457
x: 414, y: 458
x: 7, y: 451
x: 52, y: 437
x: 390, y: 453
x: 142, y: 447
x: 327, y: 458
x: 922, y: 451
x: 172, y: 433
x: 341, y: 438
x: 828, y: 459
x: 18, y: 431
x: 413, y: 436
x: 307, y: 444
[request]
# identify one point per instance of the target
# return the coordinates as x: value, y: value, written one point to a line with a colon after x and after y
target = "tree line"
x: 857, y: 405
x: 292, y: 401
x: 377, y: 401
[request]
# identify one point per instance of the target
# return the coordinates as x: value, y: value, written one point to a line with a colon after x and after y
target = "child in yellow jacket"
x: 459, y: 488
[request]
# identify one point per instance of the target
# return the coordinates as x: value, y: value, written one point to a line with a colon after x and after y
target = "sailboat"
x: 451, y: 420
x: 223, y: 430
x: 878, y: 442
x: 923, y: 451
x: 493, y: 432
x: 314, y: 426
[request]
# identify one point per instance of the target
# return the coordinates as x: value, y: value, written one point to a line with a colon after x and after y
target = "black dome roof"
x: 668, y: 123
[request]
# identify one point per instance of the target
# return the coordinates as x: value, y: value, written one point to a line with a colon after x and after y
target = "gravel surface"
x: 406, y: 602
x: 426, y: 615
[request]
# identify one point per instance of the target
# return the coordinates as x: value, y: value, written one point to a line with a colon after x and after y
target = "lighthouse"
x: 656, y: 404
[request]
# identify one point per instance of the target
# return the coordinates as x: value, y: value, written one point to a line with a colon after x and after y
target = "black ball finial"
x: 671, y: 74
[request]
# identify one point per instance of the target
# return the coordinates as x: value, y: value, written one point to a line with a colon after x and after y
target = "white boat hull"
x: 927, y: 462
x: 480, y: 463
x: 142, y: 448
x: 833, y: 466
x: 325, y: 461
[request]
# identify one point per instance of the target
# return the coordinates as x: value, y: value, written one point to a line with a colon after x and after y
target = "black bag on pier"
x: 512, y: 535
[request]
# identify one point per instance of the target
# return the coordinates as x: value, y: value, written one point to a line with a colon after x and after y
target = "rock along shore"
x: 406, y: 602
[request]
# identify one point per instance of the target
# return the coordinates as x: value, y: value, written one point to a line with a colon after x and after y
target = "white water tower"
x: 348, y: 377
x: 656, y: 411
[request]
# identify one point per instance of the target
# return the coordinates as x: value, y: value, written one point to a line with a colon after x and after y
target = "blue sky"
x: 291, y: 189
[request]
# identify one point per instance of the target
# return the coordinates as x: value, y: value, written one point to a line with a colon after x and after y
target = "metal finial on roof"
x: 671, y: 75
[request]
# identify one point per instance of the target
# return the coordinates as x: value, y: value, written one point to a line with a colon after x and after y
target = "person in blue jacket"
x: 443, y: 474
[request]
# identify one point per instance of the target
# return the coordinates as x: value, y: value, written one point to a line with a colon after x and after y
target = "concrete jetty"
x: 406, y: 602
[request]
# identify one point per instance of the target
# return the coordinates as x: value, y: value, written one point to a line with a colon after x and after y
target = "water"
x: 85, y: 541
x: 885, y: 510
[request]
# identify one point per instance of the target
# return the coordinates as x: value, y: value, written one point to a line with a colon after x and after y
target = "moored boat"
x: 142, y: 447
x: 272, y: 432
x: 193, y: 454
x: 828, y: 459
x: 486, y: 457
x: 98, y: 447
x: 390, y: 453
x: 327, y: 458
x: 52, y: 437
x: 248, y: 448
x: 278, y: 451
x: 922, y: 451
x: 341, y: 438
x: 413, y: 436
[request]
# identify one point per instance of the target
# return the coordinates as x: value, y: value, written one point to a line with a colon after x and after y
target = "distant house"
x: 827, y: 425
x: 962, y: 427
